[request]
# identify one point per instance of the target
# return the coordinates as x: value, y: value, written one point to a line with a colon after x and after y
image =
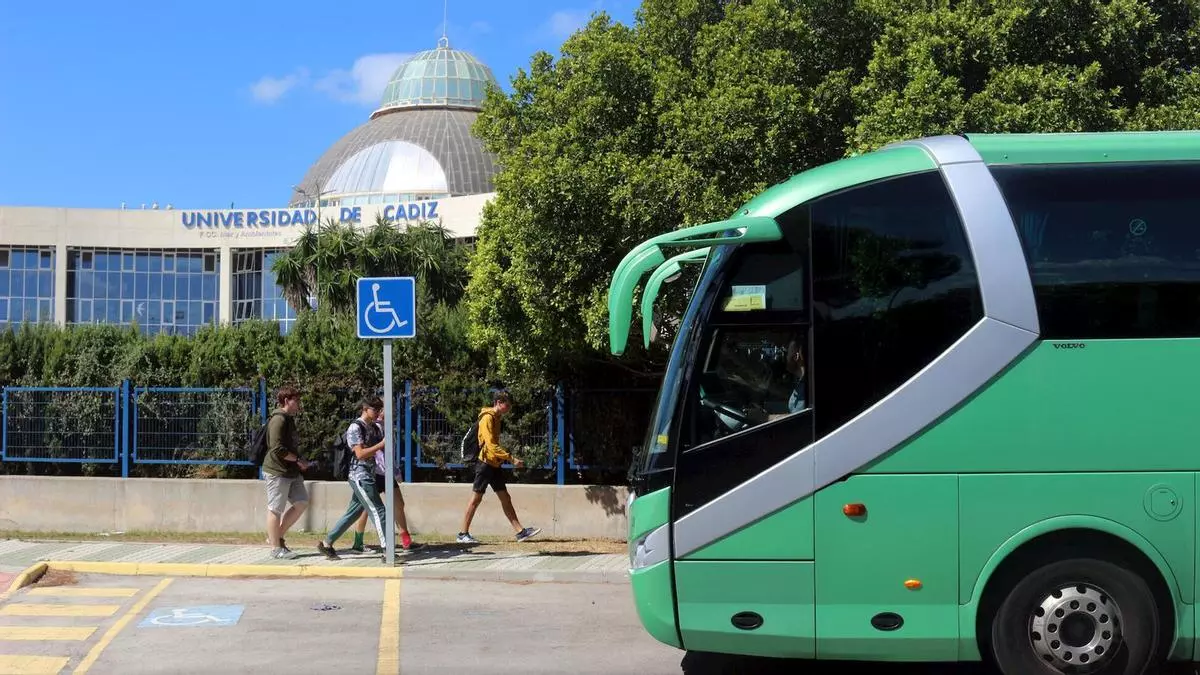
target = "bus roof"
x: 1087, y: 148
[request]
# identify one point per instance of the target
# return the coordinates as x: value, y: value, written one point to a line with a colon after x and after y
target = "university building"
x: 174, y: 271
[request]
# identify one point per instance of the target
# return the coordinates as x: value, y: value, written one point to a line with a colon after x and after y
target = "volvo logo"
x: 1069, y: 345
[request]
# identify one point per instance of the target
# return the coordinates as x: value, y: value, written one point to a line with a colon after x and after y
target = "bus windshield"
x: 655, y: 456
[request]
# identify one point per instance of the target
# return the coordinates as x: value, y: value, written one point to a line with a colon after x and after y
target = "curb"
x: 29, y: 576
x: 521, y: 576
x: 217, y: 570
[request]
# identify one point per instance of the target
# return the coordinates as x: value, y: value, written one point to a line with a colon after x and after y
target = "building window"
x: 256, y: 295
x: 1113, y: 249
x: 26, y: 285
x: 162, y: 291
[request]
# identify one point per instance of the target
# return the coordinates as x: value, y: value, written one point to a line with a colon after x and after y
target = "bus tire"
x: 1077, y: 615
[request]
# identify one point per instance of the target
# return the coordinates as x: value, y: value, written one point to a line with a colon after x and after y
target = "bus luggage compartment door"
x: 887, y: 568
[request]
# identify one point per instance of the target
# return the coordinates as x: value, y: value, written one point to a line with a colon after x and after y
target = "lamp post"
x: 320, y: 228
x: 315, y: 198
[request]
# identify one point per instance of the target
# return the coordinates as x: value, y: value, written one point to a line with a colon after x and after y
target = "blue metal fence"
x: 130, y: 425
x: 77, y: 425
x: 432, y: 441
x: 188, y: 425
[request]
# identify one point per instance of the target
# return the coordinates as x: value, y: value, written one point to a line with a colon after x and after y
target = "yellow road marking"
x: 389, y: 630
x: 46, y: 632
x: 32, y: 665
x: 85, y: 592
x: 117, y: 627
x: 58, y: 610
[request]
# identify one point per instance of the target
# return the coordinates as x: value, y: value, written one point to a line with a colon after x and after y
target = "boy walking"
x: 360, y: 525
x: 488, y: 471
x: 282, y: 469
x: 365, y: 438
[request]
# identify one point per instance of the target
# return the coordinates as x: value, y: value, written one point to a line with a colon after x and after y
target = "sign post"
x: 387, y: 309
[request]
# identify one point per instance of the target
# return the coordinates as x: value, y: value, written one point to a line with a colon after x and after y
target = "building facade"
x: 175, y: 271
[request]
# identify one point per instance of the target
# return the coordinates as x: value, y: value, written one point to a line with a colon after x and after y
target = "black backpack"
x: 344, y: 453
x: 471, y: 447
x: 256, y: 452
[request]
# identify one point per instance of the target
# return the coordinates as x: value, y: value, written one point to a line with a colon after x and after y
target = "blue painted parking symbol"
x: 198, y: 616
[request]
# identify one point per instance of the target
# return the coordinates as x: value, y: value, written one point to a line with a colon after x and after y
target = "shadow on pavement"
x: 702, y: 663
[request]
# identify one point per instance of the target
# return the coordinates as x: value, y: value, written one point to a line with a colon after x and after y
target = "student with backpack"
x: 364, y: 438
x: 276, y: 448
x: 488, y: 459
x: 397, y: 507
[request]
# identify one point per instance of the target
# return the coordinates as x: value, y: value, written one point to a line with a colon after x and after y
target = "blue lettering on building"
x: 274, y: 218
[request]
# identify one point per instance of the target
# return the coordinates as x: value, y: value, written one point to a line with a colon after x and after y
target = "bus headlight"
x: 649, y: 549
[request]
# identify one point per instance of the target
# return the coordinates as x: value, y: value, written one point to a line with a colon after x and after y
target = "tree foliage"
x: 325, y: 262
x: 678, y: 119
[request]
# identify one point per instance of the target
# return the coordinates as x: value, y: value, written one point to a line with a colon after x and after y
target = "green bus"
x: 936, y: 402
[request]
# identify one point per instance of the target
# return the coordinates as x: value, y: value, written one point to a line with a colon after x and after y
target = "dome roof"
x: 418, y: 151
x: 389, y: 167
x: 441, y: 77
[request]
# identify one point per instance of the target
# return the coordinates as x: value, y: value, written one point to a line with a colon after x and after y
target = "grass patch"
x: 300, y: 540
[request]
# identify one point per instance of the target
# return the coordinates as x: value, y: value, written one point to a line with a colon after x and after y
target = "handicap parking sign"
x: 197, y: 616
x: 387, y: 307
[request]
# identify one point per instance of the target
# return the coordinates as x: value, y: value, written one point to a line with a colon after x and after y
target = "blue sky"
x: 207, y: 104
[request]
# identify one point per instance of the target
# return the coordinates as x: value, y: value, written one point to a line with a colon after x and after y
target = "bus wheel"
x: 1077, y: 616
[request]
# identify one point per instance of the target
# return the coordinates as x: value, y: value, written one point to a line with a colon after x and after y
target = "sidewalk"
x: 433, y: 561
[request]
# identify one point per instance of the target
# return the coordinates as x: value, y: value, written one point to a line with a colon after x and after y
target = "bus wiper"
x: 648, y: 255
x: 661, y: 275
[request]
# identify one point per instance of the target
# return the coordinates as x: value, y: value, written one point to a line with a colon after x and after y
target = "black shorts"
x: 485, y: 475
x: 381, y: 485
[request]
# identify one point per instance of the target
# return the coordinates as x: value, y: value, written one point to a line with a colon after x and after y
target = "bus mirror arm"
x: 649, y: 254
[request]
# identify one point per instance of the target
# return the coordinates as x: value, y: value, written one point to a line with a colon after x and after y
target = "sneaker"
x: 357, y: 548
x: 466, y: 538
x: 327, y: 551
x: 528, y: 533
x: 283, y: 554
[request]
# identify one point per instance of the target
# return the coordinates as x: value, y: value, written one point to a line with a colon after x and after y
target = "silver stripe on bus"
x: 1009, y: 327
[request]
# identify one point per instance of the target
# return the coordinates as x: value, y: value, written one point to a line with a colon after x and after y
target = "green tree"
x: 1021, y: 66
x: 635, y: 131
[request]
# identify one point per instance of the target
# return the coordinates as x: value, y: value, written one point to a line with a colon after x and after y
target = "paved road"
x: 112, y: 624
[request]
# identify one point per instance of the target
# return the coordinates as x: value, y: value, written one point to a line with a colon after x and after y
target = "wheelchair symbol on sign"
x: 378, y: 306
x: 186, y: 617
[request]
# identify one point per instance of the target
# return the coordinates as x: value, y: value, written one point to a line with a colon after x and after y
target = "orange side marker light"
x: 854, y: 510
x: 912, y: 584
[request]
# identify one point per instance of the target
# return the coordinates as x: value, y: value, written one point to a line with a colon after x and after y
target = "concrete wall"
x: 47, y: 504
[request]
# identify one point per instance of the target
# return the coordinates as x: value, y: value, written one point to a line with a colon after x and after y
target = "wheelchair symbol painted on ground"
x: 387, y: 307
x: 194, y: 617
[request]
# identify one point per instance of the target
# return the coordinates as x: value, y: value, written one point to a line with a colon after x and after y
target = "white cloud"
x: 564, y: 22
x: 364, y: 81
x: 270, y: 89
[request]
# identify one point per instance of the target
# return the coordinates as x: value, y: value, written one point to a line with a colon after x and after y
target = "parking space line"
x: 389, y: 630
x: 66, y: 591
x: 46, y: 632
x: 32, y: 665
x: 30, y: 609
x: 117, y: 627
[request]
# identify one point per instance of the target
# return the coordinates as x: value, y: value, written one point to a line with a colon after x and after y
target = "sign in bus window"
x: 768, y: 277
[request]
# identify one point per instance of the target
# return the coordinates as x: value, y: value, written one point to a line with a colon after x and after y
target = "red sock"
x: 405, y: 540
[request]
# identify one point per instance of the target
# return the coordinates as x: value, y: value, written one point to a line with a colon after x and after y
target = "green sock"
x: 358, y: 539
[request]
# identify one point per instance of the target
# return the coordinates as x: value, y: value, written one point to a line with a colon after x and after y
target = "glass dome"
x: 437, y: 77
x: 389, y: 167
